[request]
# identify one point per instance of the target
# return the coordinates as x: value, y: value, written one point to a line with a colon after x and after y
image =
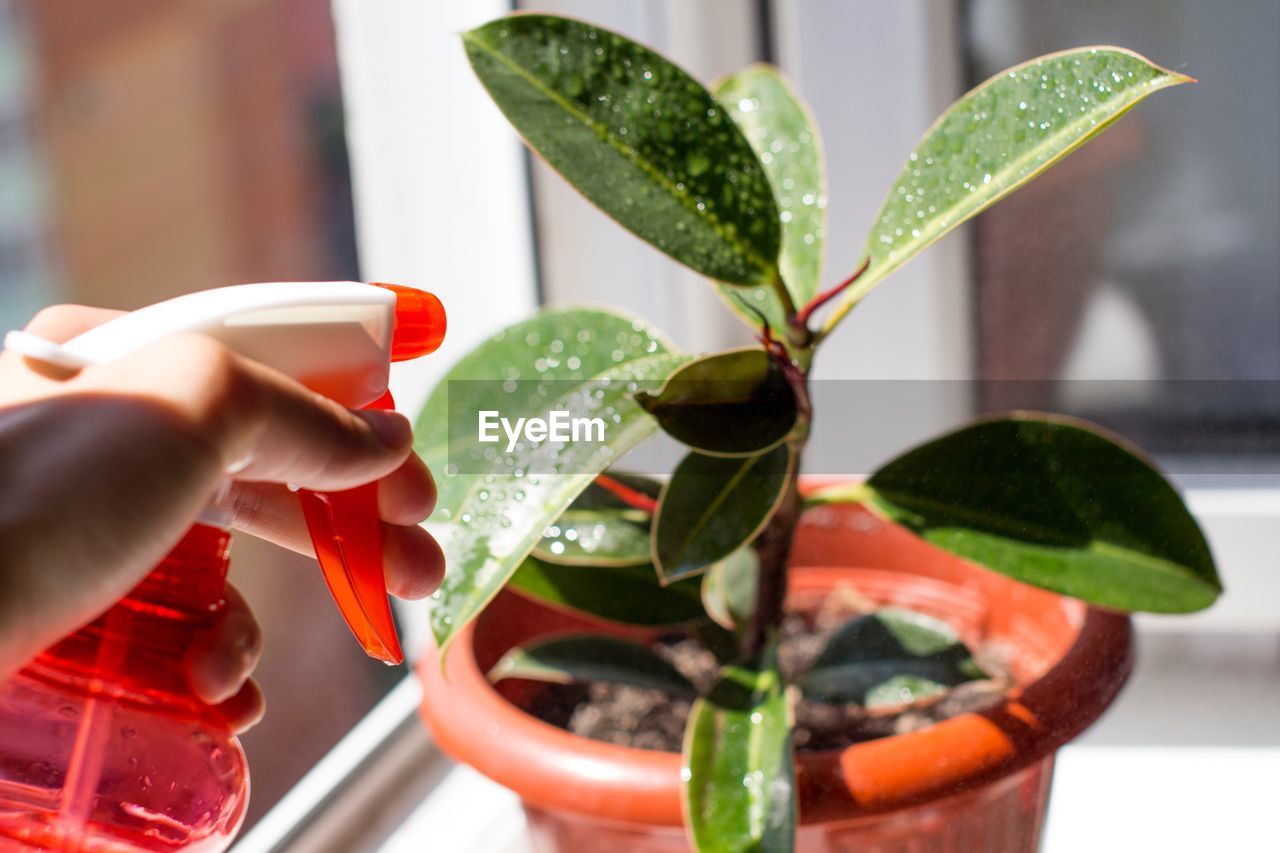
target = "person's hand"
x: 104, y: 470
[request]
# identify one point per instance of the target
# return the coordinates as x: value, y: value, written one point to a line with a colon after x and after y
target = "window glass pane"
x: 149, y: 148
x: 1151, y: 254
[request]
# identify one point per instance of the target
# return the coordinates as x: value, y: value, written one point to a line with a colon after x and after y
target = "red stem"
x: 802, y: 316
x: 626, y: 494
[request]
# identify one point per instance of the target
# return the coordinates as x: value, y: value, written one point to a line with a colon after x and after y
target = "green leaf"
x: 627, y: 594
x: 721, y: 642
x: 596, y: 537
x: 517, y: 371
x: 739, y: 791
x: 732, y: 403
x: 844, y: 492
x: 729, y: 588
x: 713, y: 505
x: 505, y: 511
x: 637, y: 136
x: 784, y: 135
x: 1052, y: 502
x: 591, y: 657
x: 600, y: 529
x: 996, y: 138
x: 902, y: 690
x: 877, y: 658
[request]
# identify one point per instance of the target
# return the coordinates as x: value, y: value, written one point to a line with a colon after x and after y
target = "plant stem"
x: 784, y: 295
x: 626, y: 494
x: 798, y: 335
x: 801, y: 319
x: 773, y: 545
x: 853, y: 296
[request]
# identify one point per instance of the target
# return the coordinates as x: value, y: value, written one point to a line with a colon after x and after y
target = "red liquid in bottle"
x: 103, y: 746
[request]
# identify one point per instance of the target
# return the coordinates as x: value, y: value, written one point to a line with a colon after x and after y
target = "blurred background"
x: 154, y: 147
x: 149, y: 148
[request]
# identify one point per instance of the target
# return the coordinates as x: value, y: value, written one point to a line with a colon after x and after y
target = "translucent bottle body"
x: 102, y: 745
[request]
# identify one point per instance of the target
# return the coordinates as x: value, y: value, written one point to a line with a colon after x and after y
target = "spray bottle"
x: 103, y: 745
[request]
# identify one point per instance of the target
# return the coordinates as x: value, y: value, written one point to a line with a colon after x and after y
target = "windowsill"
x: 1181, y: 761
x: 1105, y: 799
x: 1185, y: 761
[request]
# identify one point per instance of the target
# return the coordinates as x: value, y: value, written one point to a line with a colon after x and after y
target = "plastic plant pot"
x: 978, y: 781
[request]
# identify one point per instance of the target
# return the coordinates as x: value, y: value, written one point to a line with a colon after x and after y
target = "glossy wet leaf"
x: 600, y: 528
x: 637, y: 136
x: 730, y: 403
x: 998, y: 137
x: 628, y: 594
x: 875, y: 658
x: 591, y: 658
x: 739, y: 792
x: 902, y: 690
x: 604, y: 537
x: 518, y: 371
x: 785, y: 138
x: 729, y: 588
x: 714, y: 505
x: 1053, y: 502
x: 503, y: 514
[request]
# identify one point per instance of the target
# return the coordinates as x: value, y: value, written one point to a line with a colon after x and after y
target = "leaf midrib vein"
x: 630, y: 154
x: 961, y: 211
x: 714, y: 506
x: 998, y: 526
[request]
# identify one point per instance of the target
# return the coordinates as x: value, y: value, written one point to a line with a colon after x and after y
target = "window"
x: 1149, y: 256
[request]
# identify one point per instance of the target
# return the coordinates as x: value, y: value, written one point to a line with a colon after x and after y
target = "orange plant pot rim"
x: 554, y: 769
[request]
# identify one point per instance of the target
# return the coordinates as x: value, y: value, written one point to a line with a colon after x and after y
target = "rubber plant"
x: 729, y: 181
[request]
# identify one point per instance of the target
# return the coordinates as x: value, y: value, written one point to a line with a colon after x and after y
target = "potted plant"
x: 734, y: 659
